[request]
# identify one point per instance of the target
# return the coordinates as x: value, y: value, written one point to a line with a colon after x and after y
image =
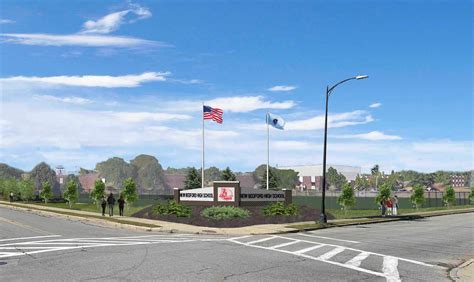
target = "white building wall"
x: 350, y: 172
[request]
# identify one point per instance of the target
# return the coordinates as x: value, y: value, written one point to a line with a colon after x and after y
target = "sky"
x: 84, y: 81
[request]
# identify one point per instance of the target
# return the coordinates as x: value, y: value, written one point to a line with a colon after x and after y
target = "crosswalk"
x: 342, y: 256
x: 302, y: 245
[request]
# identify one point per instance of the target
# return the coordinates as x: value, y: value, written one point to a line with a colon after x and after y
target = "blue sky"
x: 83, y: 81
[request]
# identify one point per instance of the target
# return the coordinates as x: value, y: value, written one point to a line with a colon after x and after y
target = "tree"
x: 418, y: 195
x: 287, y: 178
x: 9, y: 185
x: 228, y: 175
x: 335, y: 179
x: 383, y: 193
x: 471, y: 195
x: 116, y: 170
x: 375, y: 170
x: 347, y: 198
x: 71, y: 194
x: 41, y: 173
x: 272, y: 179
x: 193, y: 179
x: 46, y: 192
x: 130, y: 191
x: 361, y: 183
x: 98, y: 192
x: 149, y: 174
x: 212, y: 174
x: 26, y: 189
x: 449, y: 197
x: 7, y: 171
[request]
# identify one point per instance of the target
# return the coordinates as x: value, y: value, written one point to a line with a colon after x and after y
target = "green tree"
x: 26, y: 189
x: 150, y: 178
x: 212, y: 174
x: 383, y: 193
x: 347, y: 198
x: 287, y: 178
x: 272, y: 179
x: 46, y: 192
x: 228, y: 175
x: 98, y: 192
x: 130, y: 191
x: 116, y: 170
x: 471, y: 195
x: 335, y: 179
x: 41, y: 173
x: 193, y: 179
x: 418, y: 195
x: 361, y: 183
x: 71, y: 194
x: 375, y: 170
x: 449, y: 197
x: 9, y: 185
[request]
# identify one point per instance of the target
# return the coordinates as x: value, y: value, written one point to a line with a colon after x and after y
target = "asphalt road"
x: 39, y: 248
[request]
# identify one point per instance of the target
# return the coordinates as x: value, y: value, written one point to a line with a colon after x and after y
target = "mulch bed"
x: 305, y: 214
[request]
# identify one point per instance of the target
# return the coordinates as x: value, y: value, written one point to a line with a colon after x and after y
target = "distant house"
x: 87, y: 181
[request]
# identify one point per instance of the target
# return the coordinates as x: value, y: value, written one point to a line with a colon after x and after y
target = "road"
x: 38, y: 247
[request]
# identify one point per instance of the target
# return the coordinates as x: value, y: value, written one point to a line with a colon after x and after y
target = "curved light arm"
x: 355, y: 77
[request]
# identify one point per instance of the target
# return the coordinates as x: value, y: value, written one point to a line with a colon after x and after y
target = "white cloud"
x: 112, y: 22
x: 6, y: 21
x: 106, y: 81
x: 375, y: 105
x: 373, y: 136
x: 282, y: 88
x: 69, y: 100
x: 146, y: 116
x: 446, y: 146
x: 244, y: 104
x: 83, y: 40
x: 334, y: 121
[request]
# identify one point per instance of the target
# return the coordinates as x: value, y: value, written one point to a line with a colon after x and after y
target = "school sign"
x: 230, y: 193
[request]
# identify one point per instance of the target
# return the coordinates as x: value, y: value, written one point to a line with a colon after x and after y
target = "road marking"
x: 34, y: 229
x: 327, y: 238
x: 285, y: 244
x: 390, y: 269
x: 261, y: 240
x: 357, y: 260
x: 332, y: 253
x: 24, y: 238
x: 308, y: 249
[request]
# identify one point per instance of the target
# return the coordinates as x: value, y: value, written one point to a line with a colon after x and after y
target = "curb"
x: 453, y: 274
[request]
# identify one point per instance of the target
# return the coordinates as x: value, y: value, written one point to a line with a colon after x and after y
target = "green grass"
x: 340, y: 214
x: 93, y: 208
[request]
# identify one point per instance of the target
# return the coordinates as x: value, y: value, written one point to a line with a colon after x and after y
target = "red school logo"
x: 226, y: 194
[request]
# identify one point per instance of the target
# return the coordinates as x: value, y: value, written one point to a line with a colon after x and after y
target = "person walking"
x: 11, y: 197
x: 395, y: 205
x: 389, y: 206
x: 103, y: 203
x: 121, y: 203
x: 111, y: 203
x: 382, y: 207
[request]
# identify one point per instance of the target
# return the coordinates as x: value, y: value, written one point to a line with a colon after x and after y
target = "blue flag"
x: 275, y: 121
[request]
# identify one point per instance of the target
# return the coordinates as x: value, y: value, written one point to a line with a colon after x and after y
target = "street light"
x: 329, y: 90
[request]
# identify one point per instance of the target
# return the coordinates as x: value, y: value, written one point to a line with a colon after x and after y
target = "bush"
x: 279, y: 208
x: 225, y: 212
x: 172, y: 208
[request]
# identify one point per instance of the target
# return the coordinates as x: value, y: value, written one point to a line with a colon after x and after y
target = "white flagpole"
x: 268, y: 147
x: 202, y: 164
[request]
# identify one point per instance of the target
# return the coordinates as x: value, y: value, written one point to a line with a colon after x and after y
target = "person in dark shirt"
x: 111, y: 203
x: 103, y: 203
x: 121, y: 203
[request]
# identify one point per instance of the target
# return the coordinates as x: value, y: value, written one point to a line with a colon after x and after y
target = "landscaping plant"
x: 46, y: 192
x: 347, y: 198
x: 71, y: 194
x: 279, y: 208
x: 172, y: 208
x: 225, y: 212
x: 98, y: 192
x: 130, y: 191
x: 449, y: 197
x: 418, y: 196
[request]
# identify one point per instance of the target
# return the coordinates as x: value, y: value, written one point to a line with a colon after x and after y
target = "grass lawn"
x: 93, y: 208
x: 340, y: 214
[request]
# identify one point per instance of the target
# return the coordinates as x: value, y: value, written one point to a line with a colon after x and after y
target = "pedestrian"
x: 395, y: 205
x: 103, y: 203
x: 382, y: 207
x: 389, y: 206
x: 11, y: 197
x: 121, y: 203
x: 111, y: 203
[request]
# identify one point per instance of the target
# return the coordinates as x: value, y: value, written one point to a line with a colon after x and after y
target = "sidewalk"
x: 143, y: 224
x: 464, y: 272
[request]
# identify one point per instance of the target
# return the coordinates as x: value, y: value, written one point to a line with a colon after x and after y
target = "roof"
x: 87, y: 181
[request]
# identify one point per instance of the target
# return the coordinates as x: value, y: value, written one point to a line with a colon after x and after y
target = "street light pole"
x: 323, y: 217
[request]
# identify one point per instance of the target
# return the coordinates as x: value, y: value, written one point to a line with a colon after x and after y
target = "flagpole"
x: 268, y: 148
x: 202, y: 164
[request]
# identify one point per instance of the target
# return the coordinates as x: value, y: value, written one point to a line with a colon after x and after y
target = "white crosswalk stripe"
x: 389, y: 269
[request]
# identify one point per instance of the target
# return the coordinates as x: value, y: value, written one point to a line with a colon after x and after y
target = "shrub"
x: 225, y: 212
x: 279, y: 208
x: 449, y: 197
x: 418, y: 196
x: 172, y: 208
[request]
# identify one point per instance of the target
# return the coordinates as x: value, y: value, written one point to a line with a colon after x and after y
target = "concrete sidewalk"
x: 143, y: 224
x: 464, y: 272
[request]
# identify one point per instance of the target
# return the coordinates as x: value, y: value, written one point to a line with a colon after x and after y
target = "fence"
x: 365, y: 200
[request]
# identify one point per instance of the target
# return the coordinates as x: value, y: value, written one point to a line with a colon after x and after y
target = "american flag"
x: 212, y: 113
